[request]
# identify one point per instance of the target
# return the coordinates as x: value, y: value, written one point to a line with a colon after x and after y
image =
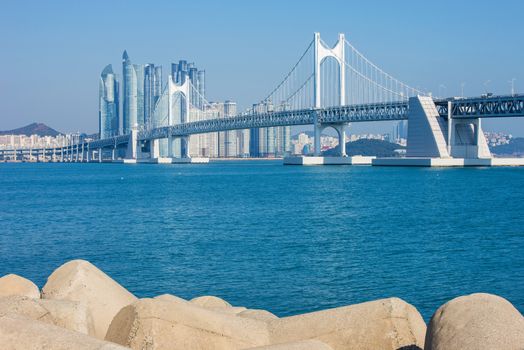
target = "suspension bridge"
x: 328, y: 87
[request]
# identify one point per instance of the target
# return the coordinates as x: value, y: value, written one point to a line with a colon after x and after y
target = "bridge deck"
x: 464, y: 108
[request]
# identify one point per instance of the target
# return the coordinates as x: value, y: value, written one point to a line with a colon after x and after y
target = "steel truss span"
x: 340, y: 114
x: 483, y: 107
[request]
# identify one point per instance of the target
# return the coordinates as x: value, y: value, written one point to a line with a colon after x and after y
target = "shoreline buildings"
x: 269, y: 142
x: 143, y: 106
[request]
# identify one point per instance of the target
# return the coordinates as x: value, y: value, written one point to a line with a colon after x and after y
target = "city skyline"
x: 245, y: 76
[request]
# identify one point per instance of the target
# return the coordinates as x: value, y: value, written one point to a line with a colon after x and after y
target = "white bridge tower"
x: 321, y: 52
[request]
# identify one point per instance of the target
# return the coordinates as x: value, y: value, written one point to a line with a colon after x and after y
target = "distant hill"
x: 514, y: 148
x: 39, y: 129
x: 368, y: 147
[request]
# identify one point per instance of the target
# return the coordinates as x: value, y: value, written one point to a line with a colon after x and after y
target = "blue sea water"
x: 262, y: 235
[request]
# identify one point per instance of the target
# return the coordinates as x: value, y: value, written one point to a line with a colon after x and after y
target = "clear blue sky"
x: 52, y: 52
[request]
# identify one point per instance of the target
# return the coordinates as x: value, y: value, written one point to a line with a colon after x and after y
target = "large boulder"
x: 158, y: 324
x: 20, y: 333
x: 298, y: 345
x: 171, y: 297
x: 81, y: 281
x: 15, y: 285
x: 476, y: 322
x: 383, y: 324
x: 210, y: 302
x: 72, y: 315
x: 256, y: 314
x: 217, y: 304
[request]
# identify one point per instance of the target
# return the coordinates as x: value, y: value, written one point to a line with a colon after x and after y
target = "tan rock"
x: 299, y: 345
x: 232, y: 310
x: 383, y: 324
x: 79, y: 280
x: 15, y: 285
x: 20, y: 333
x: 210, y: 302
x: 476, y: 322
x: 170, y: 297
x: 72, y: 315
x: 158, y: 324
x: 261, y: 315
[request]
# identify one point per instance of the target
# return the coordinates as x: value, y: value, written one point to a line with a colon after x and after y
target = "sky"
x: 52, y: 52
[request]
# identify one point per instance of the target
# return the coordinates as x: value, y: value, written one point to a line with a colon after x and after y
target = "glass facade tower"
x: 152, y: 91
x: 129, y: 95
x: 108, y: 116
x: 140, y: 115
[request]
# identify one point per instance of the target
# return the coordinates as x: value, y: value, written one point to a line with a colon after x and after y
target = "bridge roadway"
x: 462, y: 108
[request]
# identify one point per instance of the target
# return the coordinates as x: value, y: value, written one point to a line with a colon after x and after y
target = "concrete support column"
x: 317, y: 145
x: 88, y: 154
x: 185, y: 147
x: 132, y: 144
x: 170, y: 147
x: 478, y: 132
x: 100, y: 155
x: 113, y: 154
x: 154, y: 149
x: 341, y: 130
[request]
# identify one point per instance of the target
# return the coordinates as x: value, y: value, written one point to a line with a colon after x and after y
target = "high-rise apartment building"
x: 140, y: 115
x: 269, y: 142
x: 152, y: 92
x: 129, y: 94
x: 108, y: 112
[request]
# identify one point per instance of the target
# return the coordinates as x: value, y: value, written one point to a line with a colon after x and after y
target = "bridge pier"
x: 436, y: 141
x: 184, y: 147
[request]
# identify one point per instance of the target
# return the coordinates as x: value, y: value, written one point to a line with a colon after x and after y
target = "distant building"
x: 108, y: 108
x: 152, y: 91
x: 129, y: 94
x: 227, y: 144
x: 140, y: 115
x: 269, y: 142
x: 181, y: 71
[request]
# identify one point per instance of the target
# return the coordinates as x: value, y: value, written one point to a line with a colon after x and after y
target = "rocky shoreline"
x: 80, y: 307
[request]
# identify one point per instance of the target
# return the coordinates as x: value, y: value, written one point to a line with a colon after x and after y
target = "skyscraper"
x: 140, y: 115
x: 129, y: 95
x: 152, y: 91
x: 108, y: 116
x: 201, y: 85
